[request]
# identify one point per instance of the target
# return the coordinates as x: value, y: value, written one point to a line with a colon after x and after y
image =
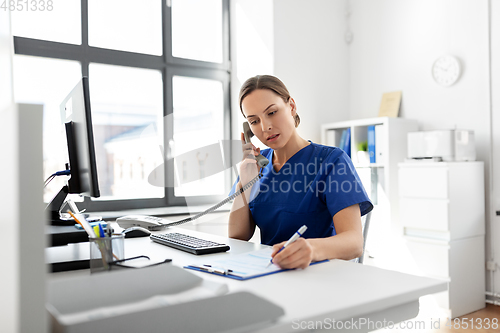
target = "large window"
x: 159, y: 86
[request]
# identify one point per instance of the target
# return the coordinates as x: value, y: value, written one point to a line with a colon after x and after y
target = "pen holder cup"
x: 105, y: 250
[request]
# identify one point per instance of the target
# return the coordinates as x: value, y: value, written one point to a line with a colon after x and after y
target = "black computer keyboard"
x: 189, y: 243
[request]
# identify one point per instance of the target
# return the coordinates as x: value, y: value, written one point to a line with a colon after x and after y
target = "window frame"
x: 202, y: 74
x: 165, y: 63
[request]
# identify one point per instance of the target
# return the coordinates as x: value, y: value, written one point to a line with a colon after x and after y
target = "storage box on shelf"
x: 442, y: 211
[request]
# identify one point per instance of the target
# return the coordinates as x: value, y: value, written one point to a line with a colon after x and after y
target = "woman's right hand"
x: 248, y: 168
x: 241, y: 224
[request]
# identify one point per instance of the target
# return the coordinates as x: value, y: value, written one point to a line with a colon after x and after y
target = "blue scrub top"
x: 310, y: 188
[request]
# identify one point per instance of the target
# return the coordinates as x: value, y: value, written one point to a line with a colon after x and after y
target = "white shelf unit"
x: 443, y: 215
x: 383, y: 174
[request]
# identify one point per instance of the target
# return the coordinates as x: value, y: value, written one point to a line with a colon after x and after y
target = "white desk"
x: 337, y: 289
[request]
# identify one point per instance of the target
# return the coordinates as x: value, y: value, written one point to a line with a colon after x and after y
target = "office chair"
x: 365, y: 221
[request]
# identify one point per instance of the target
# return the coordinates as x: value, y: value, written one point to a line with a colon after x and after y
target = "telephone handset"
x: 247, y: 132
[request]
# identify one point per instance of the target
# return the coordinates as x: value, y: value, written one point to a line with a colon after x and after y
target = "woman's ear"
x: 293, y: 106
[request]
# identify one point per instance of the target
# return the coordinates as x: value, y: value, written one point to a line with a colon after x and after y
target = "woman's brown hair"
x: 268, y: 82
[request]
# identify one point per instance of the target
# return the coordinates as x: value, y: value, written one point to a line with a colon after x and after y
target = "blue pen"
x: 292, y: 239
x: 101, y: 230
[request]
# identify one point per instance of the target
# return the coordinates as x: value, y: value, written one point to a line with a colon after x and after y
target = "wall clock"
x: 446, y: 70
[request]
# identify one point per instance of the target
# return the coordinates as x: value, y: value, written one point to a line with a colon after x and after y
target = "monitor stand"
x: 54, y: 210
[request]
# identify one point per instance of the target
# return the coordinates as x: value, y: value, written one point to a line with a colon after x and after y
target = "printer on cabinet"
x: 442, y: 145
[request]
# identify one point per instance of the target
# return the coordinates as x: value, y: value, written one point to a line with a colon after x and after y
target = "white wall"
x: 6, y: 51
x: 251, y: 48
x: 311, y: 58
x: 395, y: 45
x: 295, y: 43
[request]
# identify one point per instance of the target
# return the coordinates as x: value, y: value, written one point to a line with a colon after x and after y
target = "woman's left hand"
x: 299, y: 254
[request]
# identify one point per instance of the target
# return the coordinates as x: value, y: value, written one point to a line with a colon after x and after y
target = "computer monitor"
x: 77, y: 116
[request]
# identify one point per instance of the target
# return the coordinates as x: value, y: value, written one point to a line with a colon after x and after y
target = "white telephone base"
x: 144, y: 221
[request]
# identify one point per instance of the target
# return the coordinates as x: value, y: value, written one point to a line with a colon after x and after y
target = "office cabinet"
x: 379, y: 178
x: 442, y: 212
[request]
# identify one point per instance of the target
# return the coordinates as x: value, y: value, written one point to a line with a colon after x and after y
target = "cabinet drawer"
x: 430, y: 257
x: 430, y: 214
x: 418, y: 182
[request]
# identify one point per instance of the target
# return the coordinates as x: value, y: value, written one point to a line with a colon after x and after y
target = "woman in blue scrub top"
x: 304, y: 184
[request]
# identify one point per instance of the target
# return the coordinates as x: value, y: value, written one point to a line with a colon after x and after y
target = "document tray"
x: 205, y: 310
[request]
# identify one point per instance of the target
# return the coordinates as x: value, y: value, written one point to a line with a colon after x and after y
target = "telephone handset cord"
x: 211, y: 209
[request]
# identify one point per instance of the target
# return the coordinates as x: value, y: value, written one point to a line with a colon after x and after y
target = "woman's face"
x: 270, y: 118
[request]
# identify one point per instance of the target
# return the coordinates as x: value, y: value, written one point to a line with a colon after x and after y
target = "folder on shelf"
x: 243, y: 266
x: 347, y: 142
x: 342, y: 139
x: 371, y: 144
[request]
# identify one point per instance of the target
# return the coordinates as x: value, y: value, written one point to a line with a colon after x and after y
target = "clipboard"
x: 242, y: 267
